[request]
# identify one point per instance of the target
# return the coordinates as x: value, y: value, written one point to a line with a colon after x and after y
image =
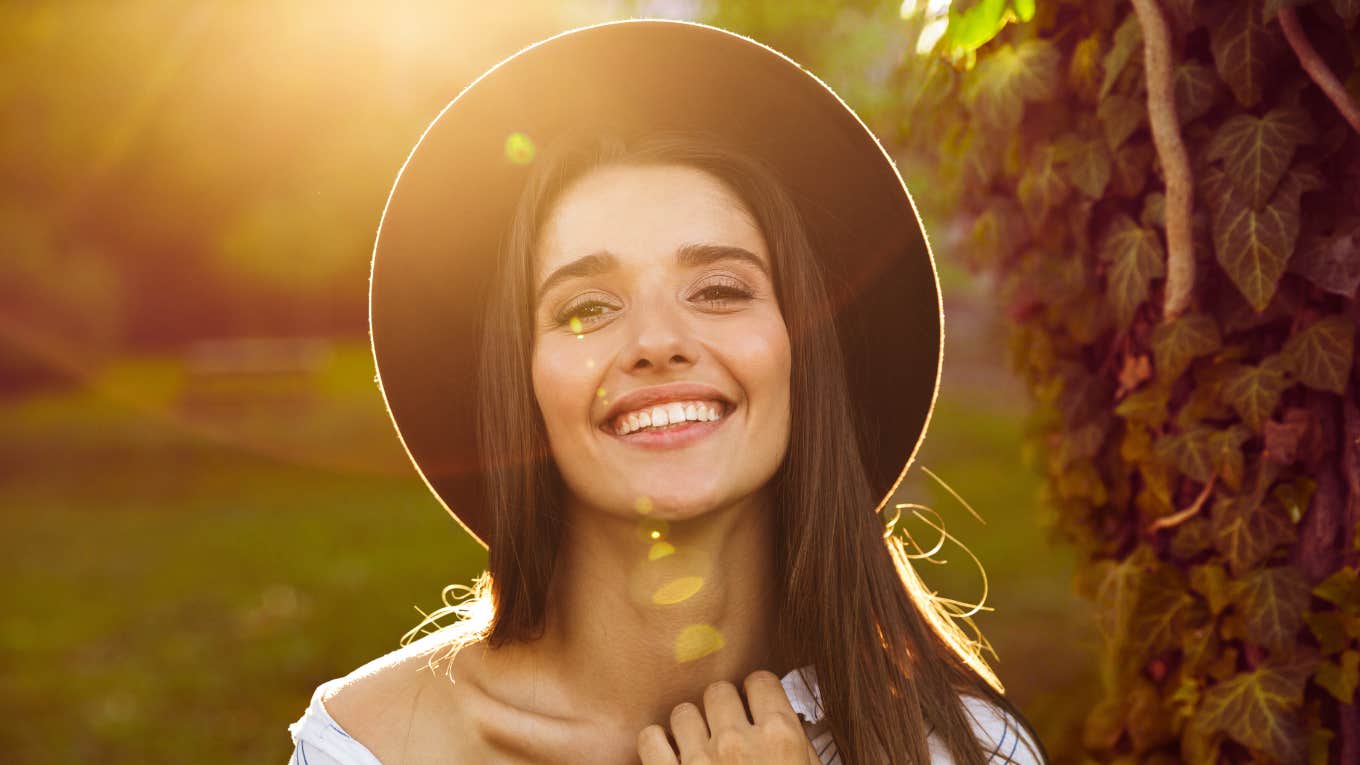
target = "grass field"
x: 182, y: 575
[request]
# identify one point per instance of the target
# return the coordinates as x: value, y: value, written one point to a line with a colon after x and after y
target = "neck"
x: 636, y: 627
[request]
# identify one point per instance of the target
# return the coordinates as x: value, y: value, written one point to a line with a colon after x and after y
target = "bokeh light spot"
x: 575, y: 325
x: 600, y: 392
x: 643, y: 504
x: 677, y: 590
x: 651, y: 528
x: 660, y: 550
x: 697, y: 641
x: 519, y: 149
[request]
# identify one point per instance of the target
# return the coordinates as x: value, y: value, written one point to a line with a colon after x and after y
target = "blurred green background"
x: 206, y: 512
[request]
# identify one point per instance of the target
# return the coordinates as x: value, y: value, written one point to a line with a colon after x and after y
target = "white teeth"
x: 671, y: 413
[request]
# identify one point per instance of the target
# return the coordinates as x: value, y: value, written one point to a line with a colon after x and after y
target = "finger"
x: 766, y: 696
x: 723, y: 707
x: 654, y: 748
x: 689, y: 729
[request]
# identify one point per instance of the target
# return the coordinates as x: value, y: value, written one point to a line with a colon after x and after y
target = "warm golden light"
x: 677, y: 590
x: 660, y: 550
x: 697, y: 641
x: 643, y: 505
x: 519, y: 149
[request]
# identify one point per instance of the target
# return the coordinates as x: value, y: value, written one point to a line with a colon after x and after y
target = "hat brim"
x: 442, y: 228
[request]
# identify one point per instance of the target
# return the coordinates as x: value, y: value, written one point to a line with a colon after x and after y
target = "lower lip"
x: 671, y: 437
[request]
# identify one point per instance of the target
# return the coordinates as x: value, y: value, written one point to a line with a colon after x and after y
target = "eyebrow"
x: 689, y: 255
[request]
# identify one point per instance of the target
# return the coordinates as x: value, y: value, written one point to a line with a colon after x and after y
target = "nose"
x: 660, y: 340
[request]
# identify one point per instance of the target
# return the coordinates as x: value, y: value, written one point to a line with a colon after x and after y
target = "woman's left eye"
x: 720, y: 294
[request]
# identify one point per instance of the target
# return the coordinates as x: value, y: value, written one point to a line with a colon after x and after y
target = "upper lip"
x: 662, y: 394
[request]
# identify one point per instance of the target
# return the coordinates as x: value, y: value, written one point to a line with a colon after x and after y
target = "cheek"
x: 562, y: 381
x: 760, y: 355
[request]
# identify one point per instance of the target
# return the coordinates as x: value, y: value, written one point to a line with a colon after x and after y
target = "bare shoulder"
x: 401, y: 709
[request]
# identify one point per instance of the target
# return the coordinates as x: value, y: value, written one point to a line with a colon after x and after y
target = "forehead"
x: 643, y: 213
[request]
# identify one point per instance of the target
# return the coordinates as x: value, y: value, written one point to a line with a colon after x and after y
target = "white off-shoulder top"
x: 319, y: 740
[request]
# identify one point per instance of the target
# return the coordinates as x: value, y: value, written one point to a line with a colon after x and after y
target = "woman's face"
x: 661, y: 359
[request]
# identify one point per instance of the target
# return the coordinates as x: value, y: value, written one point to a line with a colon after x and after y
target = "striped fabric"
x: 319, y: 740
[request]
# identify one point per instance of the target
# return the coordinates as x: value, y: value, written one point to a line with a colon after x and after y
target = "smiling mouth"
x: 666, y: 417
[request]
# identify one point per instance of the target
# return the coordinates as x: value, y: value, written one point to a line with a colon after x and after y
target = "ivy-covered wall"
x: 1169, y: 195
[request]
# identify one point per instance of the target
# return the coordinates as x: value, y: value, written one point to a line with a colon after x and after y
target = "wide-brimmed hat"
x: 450, y: 207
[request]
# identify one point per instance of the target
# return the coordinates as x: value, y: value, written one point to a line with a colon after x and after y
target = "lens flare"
x: 697, y: 641
x: 519, y: 149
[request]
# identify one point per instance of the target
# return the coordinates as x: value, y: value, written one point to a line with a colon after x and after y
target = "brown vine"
x: 1316, y: 68
x: 1166, y: 136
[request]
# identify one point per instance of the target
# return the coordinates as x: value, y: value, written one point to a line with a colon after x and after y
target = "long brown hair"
x: 888, y: 661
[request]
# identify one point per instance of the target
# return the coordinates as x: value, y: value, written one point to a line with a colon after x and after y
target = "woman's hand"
x: 721, y: 734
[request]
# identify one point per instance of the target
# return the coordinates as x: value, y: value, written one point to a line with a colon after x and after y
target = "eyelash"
x: 728, y: 289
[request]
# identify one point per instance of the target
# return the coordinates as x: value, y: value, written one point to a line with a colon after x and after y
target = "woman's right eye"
x: 583, y: 312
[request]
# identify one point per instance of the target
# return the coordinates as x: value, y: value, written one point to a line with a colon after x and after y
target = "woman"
x: 665, y: 370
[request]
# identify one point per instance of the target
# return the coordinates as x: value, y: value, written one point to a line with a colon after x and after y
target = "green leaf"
x: 996, y: 233
x: 1331, y: 261
x: 1226, y: 447
x: 1196, y: 87
x: 1257, y: 709
x: 1328, y: 628
x: 1340, y: 679
x: 1128, y: 40
x: 1245, y: 535
x: 1245, y: 51
x: 1087, y: 163
x: 1188, y: 452
x: 1131, y: 167
x: 1343, y: 589
x: 1211, y: 581
x: 1252, y: 246
x: 972, y: 26
x: 1146, y: 405
x: 1024, y: 9
x: 1041, y: 188
x: 1164, y: 605
x: 1273, y: 601
x: 1257, y: 150
x: 1178, y: 342
x: 1135, y: 258
x: 1008, y: 78
x: 1254, y: 391
x: 1120, y: 116
x: 1320, y: 355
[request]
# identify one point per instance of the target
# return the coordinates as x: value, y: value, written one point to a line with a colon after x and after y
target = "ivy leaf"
x: 1164, y: 605
x: 971, y: 25
x: 1320, y: 354
x: 1128, y: 40
x: 1135, y: 257
x: 1331, y: 261
x: 1342, y: 589
x: 1010, y: 77
x: 1178, y: 342
x: 1121, y: 116
x: 1226, y: 447
x: 1340, y: 679
x: 1041, y: 188
x: 1188, y: 452
x: 1211, y: 581
x: 1087, y: 163
x: 1245, y: 534
x: 1257, y: 709
x: 1245, y: 51
x: 1083, y: 69
x: 1328, y: 628
x: 996, y: 233
x: 1252, y: 246
x: 1131, y: 164
x: 1196, y: 88
x: 1273, y: 601
x: 1254, y: 391
x: 1257, y: 150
